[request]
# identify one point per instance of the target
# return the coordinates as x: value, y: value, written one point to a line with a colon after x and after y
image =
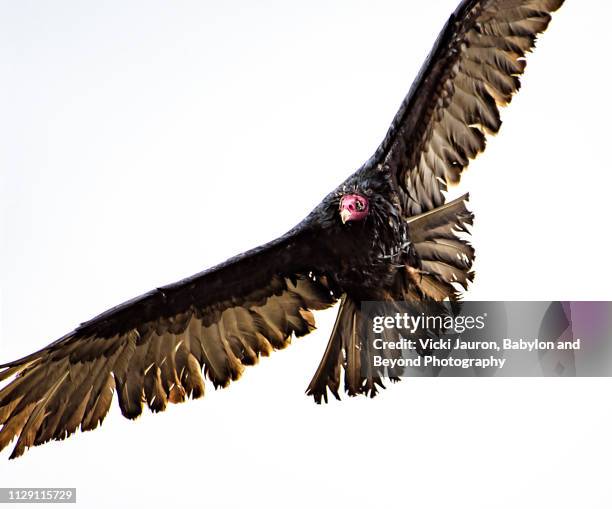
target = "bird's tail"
x: 446, y: 259
x: 348, y: 351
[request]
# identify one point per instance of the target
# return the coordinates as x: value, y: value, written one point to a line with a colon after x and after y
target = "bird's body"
x: 384, y: 234
x: 365, y: 253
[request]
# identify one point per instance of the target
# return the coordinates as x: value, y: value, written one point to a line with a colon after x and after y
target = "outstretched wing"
x: 472, y: 71
x: 153, y: 349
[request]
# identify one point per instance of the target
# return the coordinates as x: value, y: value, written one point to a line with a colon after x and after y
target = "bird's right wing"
x: 152, y: 350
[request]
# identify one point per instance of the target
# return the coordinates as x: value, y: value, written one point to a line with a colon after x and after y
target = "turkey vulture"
x: 385, y: 233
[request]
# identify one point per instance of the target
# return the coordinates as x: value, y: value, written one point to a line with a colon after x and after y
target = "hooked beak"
x: 345, y: 215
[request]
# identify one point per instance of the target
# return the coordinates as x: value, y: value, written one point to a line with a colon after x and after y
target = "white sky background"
x: 145, y: 141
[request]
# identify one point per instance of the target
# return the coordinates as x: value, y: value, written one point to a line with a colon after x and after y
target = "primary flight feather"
x: 386, y: 233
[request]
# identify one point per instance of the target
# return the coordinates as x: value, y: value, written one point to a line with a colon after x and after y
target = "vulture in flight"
x: 384, y: 234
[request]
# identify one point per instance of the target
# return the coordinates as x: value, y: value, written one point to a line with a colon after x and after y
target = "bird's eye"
x: 359, y: 205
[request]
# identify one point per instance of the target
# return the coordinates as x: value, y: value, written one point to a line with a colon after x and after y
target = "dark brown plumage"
x: 403, y: 242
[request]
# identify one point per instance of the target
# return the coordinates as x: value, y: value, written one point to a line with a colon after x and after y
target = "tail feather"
x: 351, y: 336
x: 348, y: 351
x: 327, y: 376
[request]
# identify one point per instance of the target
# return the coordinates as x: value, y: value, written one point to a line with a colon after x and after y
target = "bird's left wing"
x: 471, y: 72
x: 152, y: 350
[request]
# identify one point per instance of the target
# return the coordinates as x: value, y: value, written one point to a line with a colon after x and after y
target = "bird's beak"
x: 345, y: 215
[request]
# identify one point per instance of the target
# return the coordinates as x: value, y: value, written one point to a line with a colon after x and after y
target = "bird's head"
x: 353, y: 207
